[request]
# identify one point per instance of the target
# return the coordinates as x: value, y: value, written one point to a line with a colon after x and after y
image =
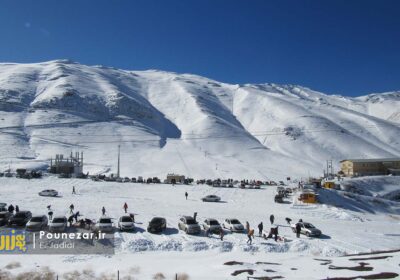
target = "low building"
x: 369, y: 167
x: 175, y: 178
x: 72, y: 166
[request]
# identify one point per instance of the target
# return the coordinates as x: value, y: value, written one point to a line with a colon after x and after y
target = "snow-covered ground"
x: 347, y: 224
x: 168, y: 122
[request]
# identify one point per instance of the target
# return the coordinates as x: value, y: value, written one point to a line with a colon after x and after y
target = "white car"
x: 233, y: 225
x: 105, y: 224
x: 211, y: 198
x: 37, y: 223
x: 212, y: 225
x: 189, y: 225
x: 126, y: 223
x: 51, y: 193
x: 58, y: 224
x: 307, y: 229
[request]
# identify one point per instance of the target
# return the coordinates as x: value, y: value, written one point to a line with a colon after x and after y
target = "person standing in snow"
x: 298, y: 230
x: 103, y: 210
x: 50, y: 213
x: 186, y: 195
x: 272, y: 219
x: 11, y: 209
x: 71, y: 220
x: 250, y: 235
x: 260, y: 229
x: 221, y: 234
x: 73, y: 190
x: 71, y: 209
x: 16, y: 208
x: 126, y: 207
x: 247, y: 227
x: 76, y: 216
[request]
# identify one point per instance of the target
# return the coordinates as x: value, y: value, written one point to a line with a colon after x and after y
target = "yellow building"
x: 368, y: 167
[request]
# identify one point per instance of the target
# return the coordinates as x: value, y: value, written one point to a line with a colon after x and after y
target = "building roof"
x: 372, y: 160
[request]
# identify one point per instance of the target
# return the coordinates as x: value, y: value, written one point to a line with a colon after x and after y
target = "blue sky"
x: 339, y: 47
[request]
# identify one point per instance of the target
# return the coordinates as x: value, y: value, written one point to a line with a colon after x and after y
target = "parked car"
x: 51, y: 193
x: 189, y: 225
x: 126, y: 223
x: 3, y: 207
x: 233, y: 224
x: 212, y: 225
x: 278, y: 198
x: 211, y: 198
x: 5, y: 216
x: 105, y: 224
x: 307, y: 229
x: 157, y: 225
x: 20, y: 219
x: 58, y: 224
x: 37, y: 223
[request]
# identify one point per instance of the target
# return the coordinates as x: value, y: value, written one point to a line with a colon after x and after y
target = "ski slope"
x: 167, y: 122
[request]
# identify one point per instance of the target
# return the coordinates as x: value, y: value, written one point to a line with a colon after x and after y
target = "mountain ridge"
x: 186, y: 123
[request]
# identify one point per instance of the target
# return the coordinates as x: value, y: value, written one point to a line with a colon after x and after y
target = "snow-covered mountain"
x: 168, y: 122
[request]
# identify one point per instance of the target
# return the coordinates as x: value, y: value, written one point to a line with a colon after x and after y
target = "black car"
x: 20, y: 219
x: 157, y: 225
x: 4, y: 217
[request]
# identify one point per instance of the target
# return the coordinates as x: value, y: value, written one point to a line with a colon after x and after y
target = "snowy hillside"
x: 167, y: 122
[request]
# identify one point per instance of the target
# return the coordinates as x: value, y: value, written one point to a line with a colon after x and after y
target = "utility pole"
x: 119, y: 151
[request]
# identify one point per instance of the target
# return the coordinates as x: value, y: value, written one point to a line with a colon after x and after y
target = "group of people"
x: 11, y: 209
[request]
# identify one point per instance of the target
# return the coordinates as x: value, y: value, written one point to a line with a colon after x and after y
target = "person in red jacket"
x: 126, y: 207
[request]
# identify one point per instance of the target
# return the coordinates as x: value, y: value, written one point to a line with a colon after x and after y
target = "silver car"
x: 189, y: 225
x: 307, y: 229
x: 58, y: 224
x: 233, y: 225
x: 126, y: 223
x: 37, y: 223
x: 211, y: 198
x: 212, y: 225
x: 105, y: 224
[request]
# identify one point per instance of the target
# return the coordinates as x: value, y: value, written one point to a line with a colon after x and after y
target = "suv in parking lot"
x: 189, y: 225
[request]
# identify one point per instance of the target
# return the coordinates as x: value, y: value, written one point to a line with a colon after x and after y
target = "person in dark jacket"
x: 71, y: 220
x: 11, y: 209
x: 73, y: 190
x: 260, y: 228
x: 298, y: 230
x: 288, y: 220
x: 76, y: 216
x: 271, y: 219
x: 186, y: 195
x: 276, y: 234
x: 103, y: 210
x: 221, y: 234
x: 126, y: 207
x: 50, y: 213
x: 71, y: 209
x: 16, y: 208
